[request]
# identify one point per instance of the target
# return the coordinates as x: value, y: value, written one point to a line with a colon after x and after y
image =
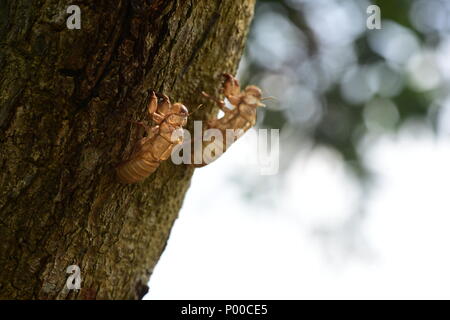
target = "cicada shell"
x: 158, y: 144
x: 236, y: 120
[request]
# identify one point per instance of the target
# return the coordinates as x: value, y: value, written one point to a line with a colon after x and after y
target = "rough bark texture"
x: 63, y: 97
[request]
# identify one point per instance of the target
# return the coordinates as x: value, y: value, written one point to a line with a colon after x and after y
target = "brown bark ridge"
x: 64, y: 95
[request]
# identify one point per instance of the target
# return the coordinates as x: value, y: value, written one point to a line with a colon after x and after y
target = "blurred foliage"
x: 339, y: 84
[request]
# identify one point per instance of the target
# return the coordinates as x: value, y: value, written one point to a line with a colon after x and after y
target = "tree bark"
x: 64, y: 95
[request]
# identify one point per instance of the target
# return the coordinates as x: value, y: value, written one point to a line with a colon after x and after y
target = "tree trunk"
x: 64, y: 95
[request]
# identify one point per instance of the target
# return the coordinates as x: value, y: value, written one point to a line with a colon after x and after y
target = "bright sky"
x: 304, y: 238
x: 224, y: 247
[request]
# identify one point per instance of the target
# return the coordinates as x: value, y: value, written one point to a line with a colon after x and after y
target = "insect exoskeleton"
x: 158, y: 143
x: 239, y: 119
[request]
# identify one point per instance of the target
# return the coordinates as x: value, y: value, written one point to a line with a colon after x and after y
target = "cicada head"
x: 178, y: 115
x: 253, y: 96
